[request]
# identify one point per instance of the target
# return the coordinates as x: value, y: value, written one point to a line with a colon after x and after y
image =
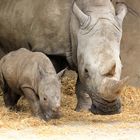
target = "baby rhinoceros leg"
x: 34, y: 102
x: 11, y: 99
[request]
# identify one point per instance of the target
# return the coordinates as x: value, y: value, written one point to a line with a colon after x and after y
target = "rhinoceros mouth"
x: 52, y: 115
x: 104, y: 107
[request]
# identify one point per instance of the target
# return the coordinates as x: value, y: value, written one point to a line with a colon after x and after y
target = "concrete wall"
x: 130, y: 48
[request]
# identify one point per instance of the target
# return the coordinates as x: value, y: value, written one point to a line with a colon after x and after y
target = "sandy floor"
x: 75, y: 130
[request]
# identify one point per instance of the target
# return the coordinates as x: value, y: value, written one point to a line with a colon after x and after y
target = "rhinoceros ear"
x: 61, y: 73
x: 121, y: 11
x: 81, y: 16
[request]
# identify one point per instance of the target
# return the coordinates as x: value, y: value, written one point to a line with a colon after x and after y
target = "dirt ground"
x: 73, y: 125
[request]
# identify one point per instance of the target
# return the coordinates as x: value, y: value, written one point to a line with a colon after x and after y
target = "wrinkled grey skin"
x: 87, y: 33
x: 31, y: 74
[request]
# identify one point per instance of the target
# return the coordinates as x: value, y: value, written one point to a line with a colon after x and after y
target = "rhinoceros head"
x: 98, y: 54
x: 49, y: 94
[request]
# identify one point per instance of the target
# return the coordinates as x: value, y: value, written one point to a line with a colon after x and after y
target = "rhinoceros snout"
x: 106, y: 108
x: 53, y: 114
x: 56, y: 113
x: 57, y: 116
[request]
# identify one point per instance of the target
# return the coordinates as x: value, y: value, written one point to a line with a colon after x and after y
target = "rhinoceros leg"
x: 83, y: 100
x: 34, y: 102
x: 11, y: 99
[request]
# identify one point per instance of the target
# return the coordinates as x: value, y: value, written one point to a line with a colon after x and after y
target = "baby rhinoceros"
x: 31, y: 74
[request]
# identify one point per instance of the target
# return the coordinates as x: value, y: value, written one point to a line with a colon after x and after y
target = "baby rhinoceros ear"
x: 61, y: 73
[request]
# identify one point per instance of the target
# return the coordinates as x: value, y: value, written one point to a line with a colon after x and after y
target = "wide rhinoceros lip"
x: 106, y: 108
x: 52, y: 115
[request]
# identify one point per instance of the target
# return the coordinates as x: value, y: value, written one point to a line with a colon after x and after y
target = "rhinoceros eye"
x: 86, y: 73
x: 45, y: 99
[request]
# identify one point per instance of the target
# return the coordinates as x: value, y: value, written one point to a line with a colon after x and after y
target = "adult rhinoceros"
x: 85, y: 32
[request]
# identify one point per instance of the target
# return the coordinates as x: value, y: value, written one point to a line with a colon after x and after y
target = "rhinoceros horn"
x: 82, y: 17
x: 110, y: 88
x: 118, y: 85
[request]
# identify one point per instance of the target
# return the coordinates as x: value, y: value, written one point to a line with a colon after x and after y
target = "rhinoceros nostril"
x: 111, y: 72
x: 56, y: 109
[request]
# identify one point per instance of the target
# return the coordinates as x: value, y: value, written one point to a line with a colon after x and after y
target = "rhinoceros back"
x: 21, y: 68
x: 40, y: 25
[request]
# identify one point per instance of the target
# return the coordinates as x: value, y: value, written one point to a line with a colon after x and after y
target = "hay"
x: 69, y: 82
x: 24, y: 119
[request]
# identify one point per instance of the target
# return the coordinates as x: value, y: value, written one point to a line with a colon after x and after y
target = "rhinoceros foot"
x: 84, y: 102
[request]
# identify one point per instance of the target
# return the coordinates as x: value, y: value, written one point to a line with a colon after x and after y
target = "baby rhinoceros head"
x: 50, y: 95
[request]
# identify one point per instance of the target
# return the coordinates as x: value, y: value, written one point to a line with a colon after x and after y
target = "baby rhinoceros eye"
x: 86, y: 73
